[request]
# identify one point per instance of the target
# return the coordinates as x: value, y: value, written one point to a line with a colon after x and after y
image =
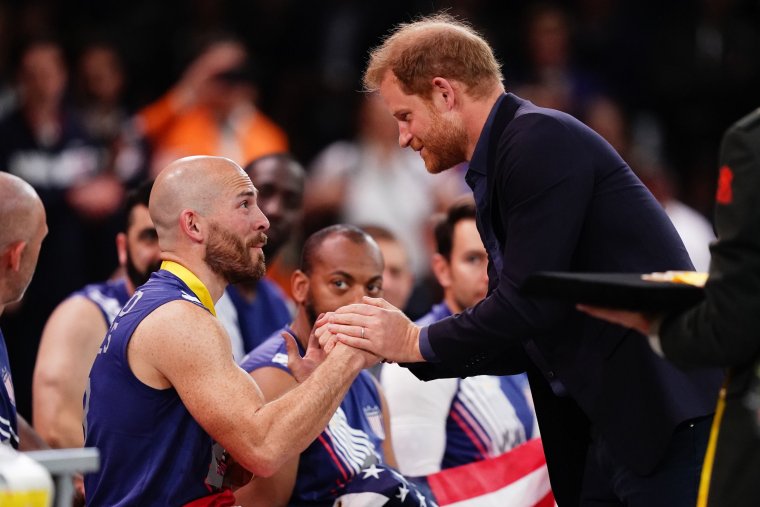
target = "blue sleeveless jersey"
x: 488, y: 416
x: 351, y: 443
x: 110, y: 297
x: 8, y: 422
x: 152, y: 451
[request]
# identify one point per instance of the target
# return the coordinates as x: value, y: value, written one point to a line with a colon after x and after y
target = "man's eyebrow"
x: 247, y: 193
x: 342, y: 273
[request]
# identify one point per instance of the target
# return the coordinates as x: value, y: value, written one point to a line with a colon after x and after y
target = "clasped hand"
x: 374, y: 326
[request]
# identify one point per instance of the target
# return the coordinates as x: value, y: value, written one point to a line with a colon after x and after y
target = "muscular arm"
x: 271, y: 491
x: 181, y: 345
x: 722, y: 330
x: 67, y: 350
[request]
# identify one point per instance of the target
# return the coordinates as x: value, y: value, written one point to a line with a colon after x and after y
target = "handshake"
x: 374, y: 328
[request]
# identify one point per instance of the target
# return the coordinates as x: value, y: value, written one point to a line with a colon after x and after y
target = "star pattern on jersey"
x: 421, y: 499
x: 372, y: 471
x: 402, y: 492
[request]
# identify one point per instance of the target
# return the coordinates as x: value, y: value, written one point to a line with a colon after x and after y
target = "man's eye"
x: 244, y: 204
x: 341, y: 284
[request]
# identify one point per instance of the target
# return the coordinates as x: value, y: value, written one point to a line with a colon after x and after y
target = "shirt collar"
x: 479, y: 160
x: 193, y: 283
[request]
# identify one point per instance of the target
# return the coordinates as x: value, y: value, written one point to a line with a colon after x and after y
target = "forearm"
x: 280, y: 430
x: 29, y: 440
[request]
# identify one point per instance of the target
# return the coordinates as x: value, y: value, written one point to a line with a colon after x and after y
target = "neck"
x: 451, y: 302
x: 214, y: 282
x: 477, y: 112
x: 302, y: 326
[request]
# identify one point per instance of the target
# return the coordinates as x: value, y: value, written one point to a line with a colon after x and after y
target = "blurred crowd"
x: 97, y: 97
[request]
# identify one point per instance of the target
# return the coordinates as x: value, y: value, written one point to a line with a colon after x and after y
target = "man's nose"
x: 272, y: 208
x: 260, y: 221
x: 404, y: 137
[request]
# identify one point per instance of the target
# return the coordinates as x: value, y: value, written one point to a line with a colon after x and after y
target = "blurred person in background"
x: 254, y: 310
x: 44, y: 142
x: 76, y: 328
x: 553, y: 78
x: 398, y: 278
x: 101, y: 83
x: 212, y: 110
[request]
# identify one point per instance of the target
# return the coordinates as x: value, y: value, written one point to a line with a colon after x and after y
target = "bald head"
x: 189, y: 183
x: 21, y: 211
x: 22, y: 229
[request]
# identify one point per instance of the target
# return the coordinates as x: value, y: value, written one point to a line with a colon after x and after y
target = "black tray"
x: 612, y: 290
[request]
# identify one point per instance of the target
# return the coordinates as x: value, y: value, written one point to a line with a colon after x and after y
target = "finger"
x: 355, y: 331
x: 357, y: 308
x: 321, y: 319
x: 356, y: 343
x: 313, y: 341
x: 350, y: 319
x: 379, y: 302
x: 329, y: 346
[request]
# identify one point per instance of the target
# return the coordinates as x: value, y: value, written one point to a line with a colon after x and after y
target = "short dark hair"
x: 140, y: 195
x: 314, y: 242
x: 444, y: 229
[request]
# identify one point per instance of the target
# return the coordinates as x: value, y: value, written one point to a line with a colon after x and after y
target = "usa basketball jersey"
x: 8, y: 422
x: 153, y: 452
x: 351, y: 443
x: 109, y: 296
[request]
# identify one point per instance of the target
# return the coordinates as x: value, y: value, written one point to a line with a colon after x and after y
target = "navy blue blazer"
x: 559, y: 198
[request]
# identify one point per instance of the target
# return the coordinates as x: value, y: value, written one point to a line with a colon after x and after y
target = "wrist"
x: 414, y: 345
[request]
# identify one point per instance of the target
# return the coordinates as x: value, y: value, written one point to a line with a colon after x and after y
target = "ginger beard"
x: 444, y: 144
x: 232, y: 258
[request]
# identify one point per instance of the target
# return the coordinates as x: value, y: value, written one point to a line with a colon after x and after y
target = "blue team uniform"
x: 109, y: 296
x: 8, y: 422
x: 348, y: 451
x: 267, y: 313
x: 479, y: 427
x: 153, y: 452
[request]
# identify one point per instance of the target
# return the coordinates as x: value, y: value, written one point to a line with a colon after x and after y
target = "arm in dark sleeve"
x: 544, y: 182
x: 723, y: 329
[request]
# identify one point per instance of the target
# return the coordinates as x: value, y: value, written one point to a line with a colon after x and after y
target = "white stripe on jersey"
x: 351, y: 444
x: 483, y: 397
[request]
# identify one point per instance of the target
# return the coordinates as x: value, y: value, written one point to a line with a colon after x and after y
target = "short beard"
x: 228, y: 256
x: 445, y: 144
x: 311, y: 311
x: 137, y: 277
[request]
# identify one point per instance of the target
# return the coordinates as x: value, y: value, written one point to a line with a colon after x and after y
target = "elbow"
x: 263, y: 461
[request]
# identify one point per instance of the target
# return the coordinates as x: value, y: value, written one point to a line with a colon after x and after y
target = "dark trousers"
x: 674, y: 483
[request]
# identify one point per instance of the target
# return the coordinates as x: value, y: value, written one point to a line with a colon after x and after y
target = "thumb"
x: 378, y: 302
x: 291, y: 347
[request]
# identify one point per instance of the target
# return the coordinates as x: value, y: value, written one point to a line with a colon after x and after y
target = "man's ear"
x: 192, y: 225
x: 299, y: 286
x: 121, y: 248
x: 441, y: 270
x: 444, y: 94
x: 12, y: 255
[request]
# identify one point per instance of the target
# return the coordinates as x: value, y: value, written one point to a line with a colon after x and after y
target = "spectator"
x: 212, y: 111
x: 76, y: 329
